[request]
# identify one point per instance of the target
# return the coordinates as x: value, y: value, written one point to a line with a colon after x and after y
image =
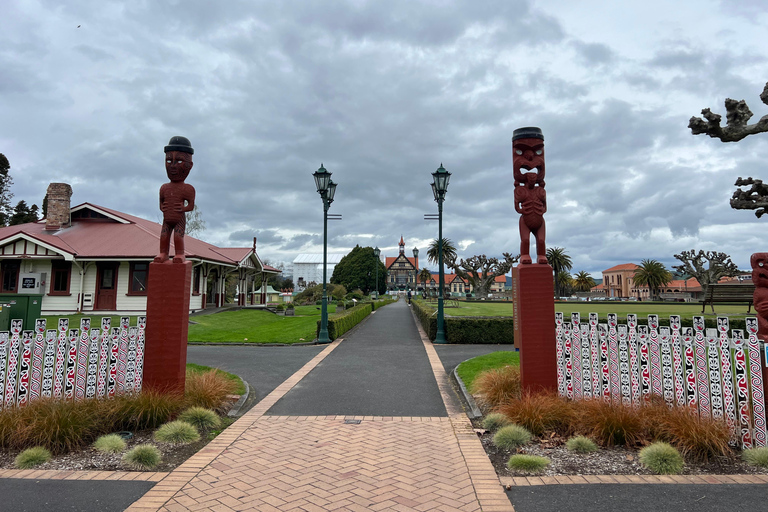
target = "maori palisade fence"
x: 705, y: 369
x: 70, y: 363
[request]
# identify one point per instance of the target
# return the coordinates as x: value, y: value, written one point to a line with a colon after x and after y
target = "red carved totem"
x: 176, y: 198
x: 530, y: 196
x: 759, y: 262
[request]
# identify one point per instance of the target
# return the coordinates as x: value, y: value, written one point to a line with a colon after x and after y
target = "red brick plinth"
x: 165, y: 357
x: 532, y: 289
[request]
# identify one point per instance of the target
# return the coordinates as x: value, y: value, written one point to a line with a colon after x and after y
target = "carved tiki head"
x: 759, y: 262
x: 528, y: 156
x: 178, y: 158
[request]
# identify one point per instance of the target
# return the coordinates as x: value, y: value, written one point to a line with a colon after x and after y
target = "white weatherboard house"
x: 308, y: 268
x: 93, y: 259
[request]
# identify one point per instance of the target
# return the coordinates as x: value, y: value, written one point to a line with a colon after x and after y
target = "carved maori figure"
x: 530, y: 196
x: 759, y: 261
x: 176, y: 198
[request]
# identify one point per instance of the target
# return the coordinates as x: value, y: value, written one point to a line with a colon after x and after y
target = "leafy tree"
x: 5, y: 191
x: 480, y: 271
x: 357, y: 270
x: 449, y: 252
x: 582, y: 281
x: 195, y: 222
x: 23, y: 214
x: 653, y: 274
x: 719, y: 265
x: 314, y: 293
x: 560, y: 262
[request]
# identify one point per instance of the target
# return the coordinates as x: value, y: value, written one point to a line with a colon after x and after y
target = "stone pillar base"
x: 165, y: 360
x: 532, y: 289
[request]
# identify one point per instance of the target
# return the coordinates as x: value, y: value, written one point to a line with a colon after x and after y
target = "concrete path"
x: 270, y: 461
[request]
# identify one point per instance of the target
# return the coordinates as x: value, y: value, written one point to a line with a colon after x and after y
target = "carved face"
x: 528, y: 158
x: 177, y: 165
x: 759, y: 262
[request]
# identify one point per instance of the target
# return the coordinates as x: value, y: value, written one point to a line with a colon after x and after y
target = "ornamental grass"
x: 530, y: 464
x: 541, y: 412
x: 209, y: 390
x: 611, y: 424
x: 756, y: 456
x: 494, y: 421
x: 511, y: 436
x: 32, y: 457
x: 203, y: 419
x: 498, y: 386
x: 177, y: 432
x: 148, y: 409
x: 143, y: 457
x: 110, y: 443
x: 581, y: 444
x: 662, y: 458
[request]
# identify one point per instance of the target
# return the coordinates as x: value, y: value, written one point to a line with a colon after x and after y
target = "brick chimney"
x: 58, y: 206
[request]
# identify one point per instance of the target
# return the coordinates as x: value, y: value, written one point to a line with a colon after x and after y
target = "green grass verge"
x: 257, y: 326
x: 469, y: 370
x: 602, y: 308
x: 52, y: 322
x: 198, y: 368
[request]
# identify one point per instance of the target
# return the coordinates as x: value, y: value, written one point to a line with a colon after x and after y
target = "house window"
x: 10, y: 271
x: 60, y: 277
x: 139, y: 271
x: 196, y: 280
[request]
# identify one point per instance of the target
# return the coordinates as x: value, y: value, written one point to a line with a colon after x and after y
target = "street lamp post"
x: 439, y: 188
x: 377, y: 253
x: 327, y: 189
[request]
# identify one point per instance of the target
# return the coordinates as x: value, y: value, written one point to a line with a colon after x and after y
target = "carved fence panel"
x: 74, y: 363
x: 706, y: 369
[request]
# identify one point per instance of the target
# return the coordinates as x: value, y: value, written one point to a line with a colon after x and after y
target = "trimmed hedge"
x: 376, y: 304
x: 466, y: 329
x: 339, y: 323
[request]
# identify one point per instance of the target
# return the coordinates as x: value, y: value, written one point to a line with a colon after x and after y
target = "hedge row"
x: 339, y: 323
x: 466, y: 329
x: 380, y: 303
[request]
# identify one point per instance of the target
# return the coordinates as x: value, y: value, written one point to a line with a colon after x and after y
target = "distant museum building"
x: 402, y: 271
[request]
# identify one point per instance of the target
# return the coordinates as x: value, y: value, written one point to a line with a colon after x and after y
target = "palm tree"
x: 425, y: 276
x: 565, y: 282
x: 582, y: 281
x: 653, y: 274
x: 449, y: 251
x: 560, y: 262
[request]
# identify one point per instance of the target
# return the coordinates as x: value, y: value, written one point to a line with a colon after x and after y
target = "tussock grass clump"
x: 177, y: 432
x: 110, y: 443
x: 143, y: 456
x: 756, y: 456
x: 662, y: 459
x: 497, y: 386
x: 494, y: 421
x: 32, y: 457
x: 208, y: 390
x: 528, y: 463
x: 581, y: 444
x: 511, y: 436
x: 697, y: 437
x: 611, y: 424
x: 203, y: 419
x: 147, y: 409
x: 540, y: 412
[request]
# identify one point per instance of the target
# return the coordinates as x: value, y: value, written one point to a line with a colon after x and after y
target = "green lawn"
x: 642, y: 309
x: 52, y: 322
x: 257, y: 326
x: 469, y: 370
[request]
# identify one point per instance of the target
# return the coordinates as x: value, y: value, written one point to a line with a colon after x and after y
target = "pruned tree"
x: 737, y: 117
x: 480, y: 271
x: 706, y: 266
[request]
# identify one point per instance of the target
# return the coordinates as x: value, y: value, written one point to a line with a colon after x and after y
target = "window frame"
x: 131, y: 272
x: 3, y: 268
x: 63, y: 266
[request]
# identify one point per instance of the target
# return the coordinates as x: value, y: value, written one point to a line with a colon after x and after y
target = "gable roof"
x: 390, y: 260
x: 117, y: 236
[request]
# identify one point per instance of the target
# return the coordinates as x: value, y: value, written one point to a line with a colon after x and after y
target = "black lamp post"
x: 327, y: 189
x: 377, y: 253
x: 439, y: 188
x: 415, y: 266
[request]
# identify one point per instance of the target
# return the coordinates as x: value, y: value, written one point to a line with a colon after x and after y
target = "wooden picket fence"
x: 75, y: 364
x: 705, y: 369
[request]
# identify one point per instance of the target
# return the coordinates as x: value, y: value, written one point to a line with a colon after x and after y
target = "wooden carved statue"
x: 530, y: 196
x: 759, y: 261
x: 176, y: 198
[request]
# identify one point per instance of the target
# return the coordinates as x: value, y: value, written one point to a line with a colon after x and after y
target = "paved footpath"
x: 384, y: 433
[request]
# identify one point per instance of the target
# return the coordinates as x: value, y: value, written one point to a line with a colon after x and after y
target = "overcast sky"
x: 382, y: 93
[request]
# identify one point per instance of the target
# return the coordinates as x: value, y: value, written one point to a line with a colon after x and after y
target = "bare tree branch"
x: 718, y: 264
x: 737, y: 115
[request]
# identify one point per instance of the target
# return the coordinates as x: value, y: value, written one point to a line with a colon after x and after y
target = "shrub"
x: 466, y: 329
x: 143, y: 456
x: 581, y: 444
x: 511, y: 436
x: 203, y: 419
x: 756, y: 456
x: 497, y: 386
x: 695, y: 436
x: 110, y: 443
x: 339, y: 323
x: 209, y: 390
x: 290, y: 306
x: 177, y: 432
x: 611, y: 424
x: 528, y: 463
x: 32, y: 457
x: 279, y: 307
x: 541, y: 412
x: 662, y: 459
x: 147, y: 409
x: 495, y: 421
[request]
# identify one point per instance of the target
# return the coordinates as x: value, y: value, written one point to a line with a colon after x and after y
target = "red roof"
x: 115, y: 235
x: 623, y: 266
x: 391, y: 260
